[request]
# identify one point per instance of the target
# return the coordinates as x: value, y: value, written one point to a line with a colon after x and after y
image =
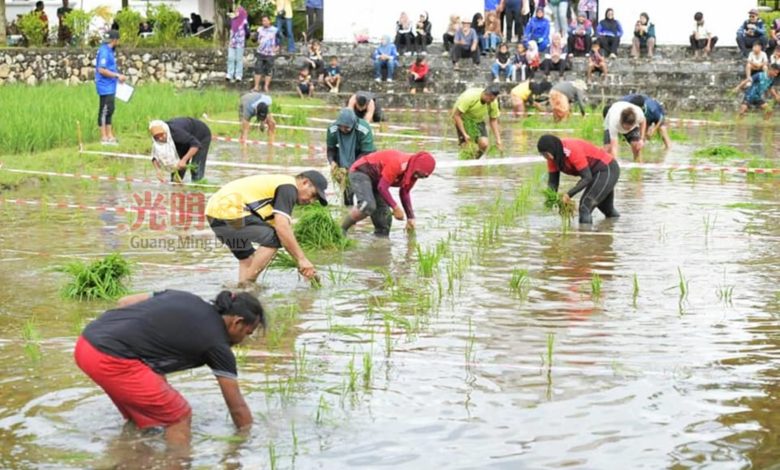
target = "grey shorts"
x: 264, y: 65
x: 239, y: 234
x: 632, y: 136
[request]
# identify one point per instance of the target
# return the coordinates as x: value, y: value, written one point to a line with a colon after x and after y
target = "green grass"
x: 100, y: 280
x: 720, y: 153
x: 519, y: 283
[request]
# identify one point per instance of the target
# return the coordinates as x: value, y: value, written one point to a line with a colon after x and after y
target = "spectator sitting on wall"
x: 64, y: 35
x: 404, y: 34
x: 774, y: 36
x: 580, y: 36
x: 520, y: 63
x: 196, y: 22
x: 556, y: 59
x: 702, y: 40
x: 644, y: 37
x: 418, y: 75
x: 333, y: 75
x: 503, y: 64
x: 538, y: 30
x: 609, y: 32
x: 533, y: 58
x: 751, y: 32
x: 478, y: 25
x: 492, y: 37
x: 597, y: 62
x: 588, y: 8
x: 385, y: 55
x: 422, y: 33
x: 775, y: 58
x: 757, y: 61
x: 315, y: 62
x: 466, y: 44
x: 448, y: 38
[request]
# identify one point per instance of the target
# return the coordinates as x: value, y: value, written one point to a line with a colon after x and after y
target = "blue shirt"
x: 760, y: 85
x: 513, y: 5
x: 314, y: 4
x: 332, y: 71
x: 491, y: 5
x: 105, y: 59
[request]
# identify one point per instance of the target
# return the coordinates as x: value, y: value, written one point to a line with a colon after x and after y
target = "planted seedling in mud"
x: 368, y: 367
x: 683, y: 285
x: 635, y: 293
x: 427, y: 261
x: 725, y: 291
x: 352, y: 375
x: 519, y: 283
x: 272, y: 457
x: 103, y: 279
x: 548, y: 359
x: 32, y: 339
x: 322, y: 410
x: 388, y: 337
x: 300, y: 363
x: 595, y: 286
x: 709, y: 224
x: 470, y: 352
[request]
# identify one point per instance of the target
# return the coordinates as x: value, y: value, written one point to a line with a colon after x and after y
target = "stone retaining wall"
x: 190, y: 68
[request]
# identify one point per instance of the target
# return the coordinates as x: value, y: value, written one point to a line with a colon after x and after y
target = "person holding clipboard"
x: 106, y: 78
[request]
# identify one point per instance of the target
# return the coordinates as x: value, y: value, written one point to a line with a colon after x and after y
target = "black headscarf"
x: 553, y: 145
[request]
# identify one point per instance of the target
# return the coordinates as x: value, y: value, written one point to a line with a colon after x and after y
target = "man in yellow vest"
x: 258, y: 209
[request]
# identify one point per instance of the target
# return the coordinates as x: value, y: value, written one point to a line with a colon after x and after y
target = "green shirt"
x: 470, y: 104
x: 344, y: 149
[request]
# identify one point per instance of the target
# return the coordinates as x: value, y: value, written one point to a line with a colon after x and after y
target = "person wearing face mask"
x: 371, y: 178
x: 258, y: 210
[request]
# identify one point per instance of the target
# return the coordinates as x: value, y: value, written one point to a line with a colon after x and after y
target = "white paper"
x: 124, y: 92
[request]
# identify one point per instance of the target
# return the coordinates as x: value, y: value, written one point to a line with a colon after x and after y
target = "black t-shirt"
x: 187, y: 133
x: 172, y: 331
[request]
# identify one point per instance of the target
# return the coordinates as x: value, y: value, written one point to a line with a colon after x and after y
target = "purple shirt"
x: 266, y: 41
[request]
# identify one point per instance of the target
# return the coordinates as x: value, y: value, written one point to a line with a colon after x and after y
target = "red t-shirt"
x: 420, y: 70
x: 581, y: 154
x: 388, y: 165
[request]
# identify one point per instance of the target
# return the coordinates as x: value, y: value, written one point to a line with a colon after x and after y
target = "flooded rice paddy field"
x: 494, y: 338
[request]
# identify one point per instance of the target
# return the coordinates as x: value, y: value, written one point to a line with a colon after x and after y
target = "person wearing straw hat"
x: 256, y: 105
x: 598, y: 171
x: 258, y: 210
x: 476, y: 104
x: 106, y: 77
x: 371, y: 178
x: 179, y: 144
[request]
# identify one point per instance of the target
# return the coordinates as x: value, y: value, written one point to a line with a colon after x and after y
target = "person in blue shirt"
x: 655, y: 116
x: 757, y: 87
x: 386, y: 55
x: 466, y: 44
x: 609, y: 32
x: 538, y: 29
x: 750, y: 32
x: 106, y: 77
x: 333, y: 75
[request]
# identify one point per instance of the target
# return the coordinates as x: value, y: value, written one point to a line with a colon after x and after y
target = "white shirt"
x: 612, y: 120
x: 701, y: 32
x: 759, y: 60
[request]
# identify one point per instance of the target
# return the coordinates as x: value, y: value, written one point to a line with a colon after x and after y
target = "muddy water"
x: 461, y: 374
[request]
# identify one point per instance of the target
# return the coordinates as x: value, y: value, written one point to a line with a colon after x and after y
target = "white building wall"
x: 343, y: 18
x: 674, y: 18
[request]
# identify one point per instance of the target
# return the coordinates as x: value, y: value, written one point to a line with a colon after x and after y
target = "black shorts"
x: 754, y: 103
x: 482, y: 132
x: 264, y: 65
x: 239, y: 234
x: 304, y: 88
x: 633, y: 135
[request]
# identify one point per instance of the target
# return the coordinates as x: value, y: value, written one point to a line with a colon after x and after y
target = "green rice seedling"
x: 519, y: 283
x: 635, y: 293
x: 31, y: 336
x: 272, y: 457
x: 352, y: 375
x: 719, y: 153
x: 427, y: 261
x: 283, y: 260
x: 725, y: 291
x: 241, y: 354
x: 595, y: 285
x: 368, y: 367
x: 317, y: 230
x: 340, y: 277
x: 300, y: 364
x: 709, y: 224
x: 470, y: 351
x: 388, y: 337
x: 550, y: 348
x: 294, y: 440
x: 298, y: 117
x: 323, y: 408
x: 683, y: 285
x: 103, y: 279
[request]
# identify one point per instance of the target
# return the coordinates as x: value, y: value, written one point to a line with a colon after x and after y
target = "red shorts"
x: 142, y: 395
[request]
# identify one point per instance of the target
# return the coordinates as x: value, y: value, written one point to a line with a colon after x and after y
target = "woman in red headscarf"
x: 370, y: 179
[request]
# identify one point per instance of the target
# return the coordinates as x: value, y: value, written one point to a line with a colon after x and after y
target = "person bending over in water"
x: 371, y: 178
x: 757, y: 87
x: 129, y: 350
x: 598, y: 172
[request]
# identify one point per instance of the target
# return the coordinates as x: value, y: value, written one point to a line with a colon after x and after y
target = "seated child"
x: 596, y: 62
x: 503, y: 64
x: 304, y: 83
x: 418, y: 75
x: 333, y: 75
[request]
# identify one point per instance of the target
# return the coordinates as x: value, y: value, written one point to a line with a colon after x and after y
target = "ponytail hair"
x: 242, y: 305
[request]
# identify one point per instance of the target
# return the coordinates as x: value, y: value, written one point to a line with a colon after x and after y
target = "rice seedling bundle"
x: 554, y: 201
x: 100, y: 280
x: 317, y: 230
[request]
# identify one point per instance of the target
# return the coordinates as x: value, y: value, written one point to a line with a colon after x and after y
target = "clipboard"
x: 124, y: 92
